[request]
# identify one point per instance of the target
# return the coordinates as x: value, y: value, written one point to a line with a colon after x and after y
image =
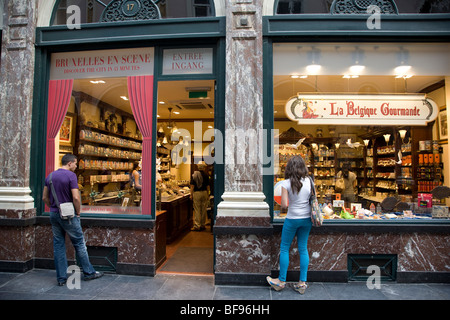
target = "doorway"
x: 185, y: 124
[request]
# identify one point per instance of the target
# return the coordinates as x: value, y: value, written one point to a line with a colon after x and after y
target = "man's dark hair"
x: 68, y: 158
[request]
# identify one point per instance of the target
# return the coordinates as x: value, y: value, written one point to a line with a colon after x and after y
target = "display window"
x: 369, y: 119
x: 100, y: 108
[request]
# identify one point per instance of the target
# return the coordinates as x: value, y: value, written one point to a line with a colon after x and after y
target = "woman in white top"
x: 295, y: 193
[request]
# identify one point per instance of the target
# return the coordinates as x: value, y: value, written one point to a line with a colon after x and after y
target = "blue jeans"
x: 73, y: 228
x: 292, y: 228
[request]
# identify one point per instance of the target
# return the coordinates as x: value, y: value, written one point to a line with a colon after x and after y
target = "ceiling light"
x: 161, y: 102
x: 313, y: 69
x: 295, y: 76
x: 97, y: 81
x: 124, y: 98
x: 402, y: 69
x: 356, y: 69
x: 176, y: 112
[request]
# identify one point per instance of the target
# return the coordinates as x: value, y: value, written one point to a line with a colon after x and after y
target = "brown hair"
x: 296, y: 170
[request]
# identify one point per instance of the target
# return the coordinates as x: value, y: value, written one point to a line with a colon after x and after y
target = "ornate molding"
x: 360, y: 6
x: 130, y: 10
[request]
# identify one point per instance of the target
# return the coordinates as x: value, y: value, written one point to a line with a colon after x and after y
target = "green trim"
x: 319, y: 27
x: 132, y: 31
x: 55, y: 8
x: 39, y: 127
x: 268, y: 118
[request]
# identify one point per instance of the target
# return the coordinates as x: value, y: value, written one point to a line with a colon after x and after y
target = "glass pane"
x: 100, y: 127
x: 352, y: 113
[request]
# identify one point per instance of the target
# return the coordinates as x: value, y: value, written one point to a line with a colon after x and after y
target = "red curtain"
x: 59, y: 93
x: 140, y: 92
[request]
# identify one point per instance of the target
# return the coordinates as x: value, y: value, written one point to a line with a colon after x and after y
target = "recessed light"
x: 400, y: 70
x: 313, y: 69
x: 124, y: 98
x: 356, y: 69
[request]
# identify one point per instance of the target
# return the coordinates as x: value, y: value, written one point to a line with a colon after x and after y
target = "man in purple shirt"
x: 66, y: 189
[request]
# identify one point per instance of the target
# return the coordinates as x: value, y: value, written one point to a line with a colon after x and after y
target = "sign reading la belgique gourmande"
x: 380, y: 109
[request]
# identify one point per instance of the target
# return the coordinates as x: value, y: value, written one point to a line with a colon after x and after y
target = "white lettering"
x: 73, y: 21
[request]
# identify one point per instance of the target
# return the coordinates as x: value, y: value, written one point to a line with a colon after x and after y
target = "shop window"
x: 93, y: 11
x: 372, y: 113
x: 100, y: 108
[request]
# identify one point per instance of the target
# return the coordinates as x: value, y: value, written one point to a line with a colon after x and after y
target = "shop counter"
x: 178, y: 216
x: 160, y: 237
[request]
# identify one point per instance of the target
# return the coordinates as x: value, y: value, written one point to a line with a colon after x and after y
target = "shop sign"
x: 102, y: 63
x: 361, y: 109
x: 111, y: 210
x: 188, y: 61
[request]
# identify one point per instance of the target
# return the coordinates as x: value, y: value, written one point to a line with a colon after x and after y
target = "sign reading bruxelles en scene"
x: 414, y: 109
x: 102, y: 63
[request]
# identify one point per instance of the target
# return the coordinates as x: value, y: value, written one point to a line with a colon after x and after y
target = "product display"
x: 382, y: 167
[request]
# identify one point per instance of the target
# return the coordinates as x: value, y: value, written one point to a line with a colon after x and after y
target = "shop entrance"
x: 185, y: 142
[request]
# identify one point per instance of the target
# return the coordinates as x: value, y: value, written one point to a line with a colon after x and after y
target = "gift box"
x: 440, y: 212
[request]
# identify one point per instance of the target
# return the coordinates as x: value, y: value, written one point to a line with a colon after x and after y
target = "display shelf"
x: 104, y: 158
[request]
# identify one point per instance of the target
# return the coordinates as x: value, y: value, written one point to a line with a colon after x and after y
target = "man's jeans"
x: 73, y: 228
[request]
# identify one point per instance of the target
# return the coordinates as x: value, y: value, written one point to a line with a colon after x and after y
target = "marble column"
x: 16, y: 98
x: 243, y: 217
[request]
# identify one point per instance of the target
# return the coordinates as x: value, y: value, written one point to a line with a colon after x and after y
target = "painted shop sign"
x: 361, y: 109
x: 188, y: 61
x: 102, y: 63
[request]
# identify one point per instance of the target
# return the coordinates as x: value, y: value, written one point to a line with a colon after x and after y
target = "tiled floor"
x: 39, y: 284
x: 203, y: 239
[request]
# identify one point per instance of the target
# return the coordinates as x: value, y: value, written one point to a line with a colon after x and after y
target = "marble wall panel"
x: 133, y: 245
x: 328, y: 252
x: 242, y: 221
x: 243, y: 253
x: 17, y: 213
x: 17, y: 243
x: 424, y: 252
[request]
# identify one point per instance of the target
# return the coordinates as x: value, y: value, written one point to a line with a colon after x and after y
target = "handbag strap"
x: 55, y: 198
x: 313, y: 188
